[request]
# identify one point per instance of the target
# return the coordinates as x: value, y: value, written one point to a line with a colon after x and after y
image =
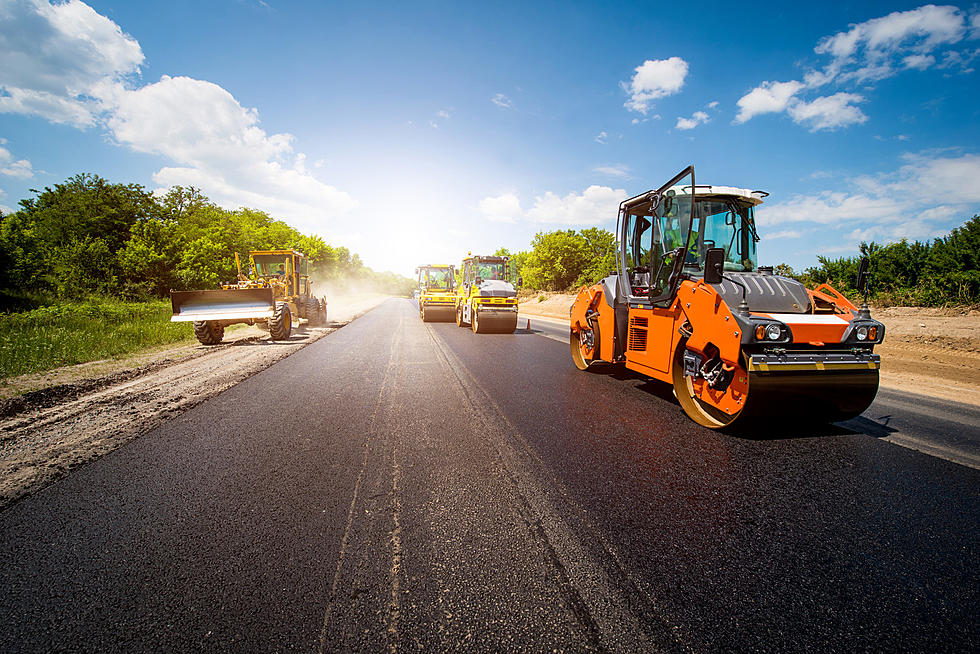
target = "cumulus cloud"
x: 57, y: 57
x: 698, y: 118
x: 768, y: 97
x: 918, y: 39
x: 594, y: 205
x: 654, y: 79
x: 502, y: 101
x: 505, y: 208
x: 68, y: 64
x: 601, y: 137
x: 869, y: 51
x: 21, y: 168
x: 923, y: 198
x: 829, y: 112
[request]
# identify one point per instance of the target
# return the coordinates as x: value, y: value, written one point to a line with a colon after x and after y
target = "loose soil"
x: 58, y: 420
x: 932, y: 352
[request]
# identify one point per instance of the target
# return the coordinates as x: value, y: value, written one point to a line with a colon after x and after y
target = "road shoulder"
x: 74, y: 415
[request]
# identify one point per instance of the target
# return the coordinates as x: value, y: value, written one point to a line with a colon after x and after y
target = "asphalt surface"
x: 408, y: 486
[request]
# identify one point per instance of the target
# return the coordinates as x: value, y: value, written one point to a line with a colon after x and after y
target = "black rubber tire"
x: 309, y: 308
x: 319, y: 318
x: 281, y: 322
x: 208, y: 332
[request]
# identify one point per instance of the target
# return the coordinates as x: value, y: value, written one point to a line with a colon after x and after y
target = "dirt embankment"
x: 933, y: 352
x: 52, y: 422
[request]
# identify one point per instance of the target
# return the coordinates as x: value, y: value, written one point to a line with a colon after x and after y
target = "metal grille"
x: 638, y: 335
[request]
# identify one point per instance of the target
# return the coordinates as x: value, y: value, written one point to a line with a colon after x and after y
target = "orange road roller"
x: 690, y: 306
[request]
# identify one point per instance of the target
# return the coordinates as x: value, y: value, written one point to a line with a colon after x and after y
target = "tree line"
x: 89, y: 237
x: 943, y: 271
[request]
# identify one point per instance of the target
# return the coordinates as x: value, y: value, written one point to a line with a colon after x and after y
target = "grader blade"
x: 229, y: 304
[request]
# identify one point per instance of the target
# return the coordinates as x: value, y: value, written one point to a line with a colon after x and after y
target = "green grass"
x: 66, y: 334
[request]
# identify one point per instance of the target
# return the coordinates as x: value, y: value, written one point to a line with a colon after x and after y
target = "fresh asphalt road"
x: 407, y: 486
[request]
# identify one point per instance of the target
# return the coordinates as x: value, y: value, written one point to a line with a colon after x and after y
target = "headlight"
x: 770, y: 331
x: 862, y: 333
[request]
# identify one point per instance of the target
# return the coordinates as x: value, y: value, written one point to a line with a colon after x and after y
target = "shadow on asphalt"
x: 755, y: 429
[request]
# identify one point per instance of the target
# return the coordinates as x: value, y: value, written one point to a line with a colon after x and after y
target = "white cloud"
x: 596, y: 204
x: 222, y: 150
x: 601, y: 137
x: 505, y: 208
x: 618, y: 170
x: 442, y: 113
x: 829, y: 112
x: 919, y: 61
x: 868, y: 51
x: 699, y: 118
x: 786, y: 233
x: 68, y: 64
x: 502, y: 101
x: 923, y: 199
x: 655, y: 79
x: 56, y: 57
x: 768, y: 97
x: 863, y: 54
x: 20, y: 168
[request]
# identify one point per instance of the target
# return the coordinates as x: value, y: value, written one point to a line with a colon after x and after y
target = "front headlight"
x: 768, y: 332
x: 861, y: 333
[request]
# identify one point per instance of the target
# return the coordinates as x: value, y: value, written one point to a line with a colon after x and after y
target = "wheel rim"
x: 698, y: 411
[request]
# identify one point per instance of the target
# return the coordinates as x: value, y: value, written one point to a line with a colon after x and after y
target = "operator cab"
x: 666, y: 233
x: 435, y: 278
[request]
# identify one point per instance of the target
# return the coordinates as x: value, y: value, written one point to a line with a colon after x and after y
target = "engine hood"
x: 765, y: 293
x: 497, y: 288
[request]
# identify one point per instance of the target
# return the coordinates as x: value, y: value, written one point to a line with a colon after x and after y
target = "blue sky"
x: 413, y: 132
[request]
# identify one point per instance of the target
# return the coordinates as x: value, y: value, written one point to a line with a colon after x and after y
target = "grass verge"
x: 66, y: 334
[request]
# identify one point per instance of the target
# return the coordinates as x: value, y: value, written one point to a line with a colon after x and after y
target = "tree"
x: 556, y: 260
x: 600, y: 251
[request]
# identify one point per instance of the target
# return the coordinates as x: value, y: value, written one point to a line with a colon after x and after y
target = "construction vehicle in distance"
x: 690, y: 306
x: 436, y: 294
x: 486, y: 295
x: 276, y: 292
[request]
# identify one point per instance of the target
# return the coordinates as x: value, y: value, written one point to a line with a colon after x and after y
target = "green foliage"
x: 65, y: 334
x: 88, y: 237
x: 566, y: 259
x: 943, y: 272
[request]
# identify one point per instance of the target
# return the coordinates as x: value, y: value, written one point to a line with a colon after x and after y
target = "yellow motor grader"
x: 690, y: 306
x: 276, y: 292
x: 436, y: 292
x: 486, y: 298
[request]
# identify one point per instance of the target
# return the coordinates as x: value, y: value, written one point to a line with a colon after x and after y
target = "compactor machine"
x: 486, y: 295
x: 276, y: 292
x: 436, y: 293
x: 690, y: 306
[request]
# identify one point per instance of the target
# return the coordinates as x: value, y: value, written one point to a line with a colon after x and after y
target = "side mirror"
x: 862, y: 276
x: 714, y: 261
x: 520, y: 282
